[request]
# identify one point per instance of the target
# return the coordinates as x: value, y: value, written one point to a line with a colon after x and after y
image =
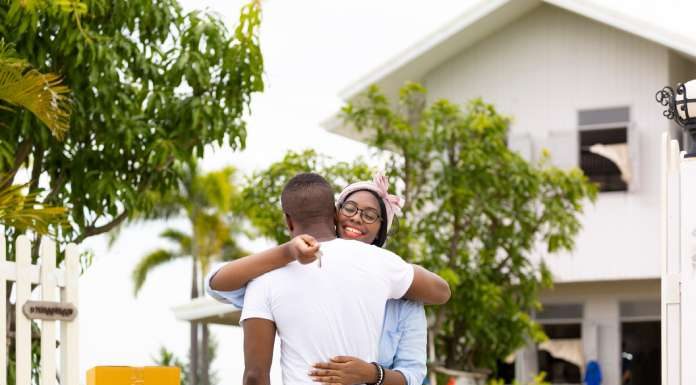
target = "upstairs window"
x: 604, y: 151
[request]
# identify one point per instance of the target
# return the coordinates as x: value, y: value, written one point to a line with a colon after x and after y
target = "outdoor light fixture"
x: 681, y: 107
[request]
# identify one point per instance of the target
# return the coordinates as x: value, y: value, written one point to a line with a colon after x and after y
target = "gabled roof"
x: 484, y: 18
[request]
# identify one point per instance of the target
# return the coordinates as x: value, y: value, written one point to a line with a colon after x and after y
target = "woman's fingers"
x: 309, y: 240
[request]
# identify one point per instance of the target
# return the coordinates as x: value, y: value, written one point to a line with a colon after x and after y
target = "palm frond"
x: 24, y: 212
x: 148, y: 263
x: 178, y: 237
x: 42, y: 94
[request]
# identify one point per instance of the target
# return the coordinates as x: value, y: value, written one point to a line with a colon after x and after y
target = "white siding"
x: 543, y: 68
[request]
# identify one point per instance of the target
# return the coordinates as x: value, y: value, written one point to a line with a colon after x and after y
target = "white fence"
x: 53, y: 282
x: 678, y: 265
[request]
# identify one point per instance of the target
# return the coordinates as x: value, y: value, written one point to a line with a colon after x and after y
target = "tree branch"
x: 95, y: 230
x: 37, y: 165
x: 23, y: 151
x: 55, y: 186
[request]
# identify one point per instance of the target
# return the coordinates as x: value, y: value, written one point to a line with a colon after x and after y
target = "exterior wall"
x: 601, y: 323
x: 541, y: 69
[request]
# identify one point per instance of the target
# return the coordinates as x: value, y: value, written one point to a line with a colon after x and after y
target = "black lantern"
x: 681, y: 107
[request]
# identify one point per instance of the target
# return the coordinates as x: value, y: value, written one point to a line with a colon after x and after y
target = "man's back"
x: 335, y: 309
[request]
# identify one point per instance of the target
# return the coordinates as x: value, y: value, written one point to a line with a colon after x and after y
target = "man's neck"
x: 320, y: 233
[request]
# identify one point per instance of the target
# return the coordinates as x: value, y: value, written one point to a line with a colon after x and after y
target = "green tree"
x: 260, y: 201
x: 151, y: 87
x: 207, y: 202
x: 475, y: 212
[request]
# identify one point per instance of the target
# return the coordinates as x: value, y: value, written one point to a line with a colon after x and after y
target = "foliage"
x: 539, y: 379
x: 151, y: 87
x: 475, y: 212
x: 167, y: 358
x: 261, y: 195
x: 21, y: 212
x: 41, y: 94
x: 206, y: 201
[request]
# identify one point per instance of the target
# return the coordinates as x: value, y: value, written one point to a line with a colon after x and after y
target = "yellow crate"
x: 128, y: 375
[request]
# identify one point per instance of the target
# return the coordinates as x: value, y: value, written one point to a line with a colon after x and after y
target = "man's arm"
x: 238, y: 273
x: 259, y: 336
x: 428, y: 287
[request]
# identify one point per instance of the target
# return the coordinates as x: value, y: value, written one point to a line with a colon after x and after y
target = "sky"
x: 312, y: 50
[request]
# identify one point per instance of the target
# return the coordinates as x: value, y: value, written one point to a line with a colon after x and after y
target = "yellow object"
x: 128, y: 375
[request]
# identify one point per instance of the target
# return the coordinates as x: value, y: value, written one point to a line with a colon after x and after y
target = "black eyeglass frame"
x: 361, y: 211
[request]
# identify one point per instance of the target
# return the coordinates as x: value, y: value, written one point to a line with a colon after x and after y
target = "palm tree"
x: 45, y: 97
x: 208, y: 202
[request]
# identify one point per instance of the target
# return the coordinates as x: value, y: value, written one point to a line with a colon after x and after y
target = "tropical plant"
x: 207, y: 202
x: 475, y: 212
x: 22, y: 87
x: 260, y: 201
x: 166, y: 357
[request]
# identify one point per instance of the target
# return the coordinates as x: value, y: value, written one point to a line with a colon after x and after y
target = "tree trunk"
x: 193, y: 360
x: 205, y: 369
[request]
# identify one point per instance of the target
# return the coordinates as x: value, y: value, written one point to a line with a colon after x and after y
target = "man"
x: 331, y: 306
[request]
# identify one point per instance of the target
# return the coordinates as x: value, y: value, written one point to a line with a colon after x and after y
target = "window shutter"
x: 563, y: 146
x: 633, y: 139
x: 521, y: 144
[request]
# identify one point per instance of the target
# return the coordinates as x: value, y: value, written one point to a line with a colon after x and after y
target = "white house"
x: 572, y: 75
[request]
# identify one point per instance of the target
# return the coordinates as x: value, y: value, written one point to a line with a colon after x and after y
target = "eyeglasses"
x: 368, y: 215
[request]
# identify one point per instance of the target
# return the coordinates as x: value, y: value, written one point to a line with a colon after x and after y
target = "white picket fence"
x: 678, y: 265
x: 55, y: 285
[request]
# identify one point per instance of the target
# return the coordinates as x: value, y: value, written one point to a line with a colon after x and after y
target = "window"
x: 604, y: 152
x: 599, y: 168
x: 561, y: 356
x: 560, y: 368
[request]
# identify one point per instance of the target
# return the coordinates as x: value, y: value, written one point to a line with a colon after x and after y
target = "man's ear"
x: 288, y: 222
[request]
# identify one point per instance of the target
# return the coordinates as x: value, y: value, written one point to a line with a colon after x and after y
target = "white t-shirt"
x: 335, y: 309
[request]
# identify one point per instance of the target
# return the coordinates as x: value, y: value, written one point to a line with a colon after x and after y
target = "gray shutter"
x: 563, y: 146
x: 633, y: 138
x: 522, y: 144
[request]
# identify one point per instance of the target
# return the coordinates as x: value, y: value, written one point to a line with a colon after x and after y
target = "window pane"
x: 603, y: 116
x: 639, y: 309
x: 564, y: 311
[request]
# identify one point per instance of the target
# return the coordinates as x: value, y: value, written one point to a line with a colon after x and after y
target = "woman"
x: 365, y: 213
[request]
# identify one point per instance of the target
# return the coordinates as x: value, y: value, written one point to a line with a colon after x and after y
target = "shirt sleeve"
x: 397, y: 272
x: 257, y: 302
x: 410, y: 356
x: 234, y: 297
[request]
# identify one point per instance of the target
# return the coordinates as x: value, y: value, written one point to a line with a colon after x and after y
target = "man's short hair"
x: 308, y: 199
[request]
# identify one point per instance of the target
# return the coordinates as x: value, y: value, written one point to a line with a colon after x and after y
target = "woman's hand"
x: 303, y: 248
x: 344, y: 370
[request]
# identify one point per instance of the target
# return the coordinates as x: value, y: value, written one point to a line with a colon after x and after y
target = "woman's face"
x: 354, y: 227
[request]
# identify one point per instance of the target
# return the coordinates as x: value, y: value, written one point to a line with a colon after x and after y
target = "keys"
x: 319, y: 254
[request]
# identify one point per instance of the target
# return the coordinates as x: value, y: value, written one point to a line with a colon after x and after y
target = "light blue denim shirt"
x: 403, y: 341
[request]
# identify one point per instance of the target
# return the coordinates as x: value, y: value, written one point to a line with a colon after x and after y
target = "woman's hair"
x: 381, y: 238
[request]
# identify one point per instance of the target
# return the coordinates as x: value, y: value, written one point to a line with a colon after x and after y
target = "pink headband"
x: 380, y: 186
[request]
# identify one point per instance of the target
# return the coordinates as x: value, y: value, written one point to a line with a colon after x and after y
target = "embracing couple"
x: 346, y: 310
